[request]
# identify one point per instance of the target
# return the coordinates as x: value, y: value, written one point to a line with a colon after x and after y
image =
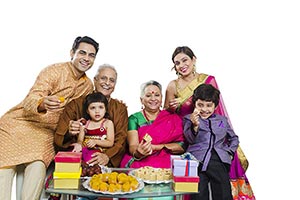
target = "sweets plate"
x: 86, y: 185
x: 132, y: 173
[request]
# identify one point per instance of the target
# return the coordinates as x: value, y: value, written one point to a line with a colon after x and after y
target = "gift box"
x: 66, y: 180
x: 67, y: 161
x: 184, y: 167
x: 185, y: 183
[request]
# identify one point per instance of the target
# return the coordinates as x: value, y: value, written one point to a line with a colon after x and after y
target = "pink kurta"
x: 25, y: 134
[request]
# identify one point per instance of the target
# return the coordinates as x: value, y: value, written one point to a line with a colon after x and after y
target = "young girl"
x: 97, y: 132
x: 212, y: 141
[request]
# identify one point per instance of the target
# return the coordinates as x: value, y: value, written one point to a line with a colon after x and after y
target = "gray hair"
x: 105, y: 66
x: 151, y: 82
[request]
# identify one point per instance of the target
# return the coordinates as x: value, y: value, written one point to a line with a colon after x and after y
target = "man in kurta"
x: 27, y: 130
x: 69, y: 123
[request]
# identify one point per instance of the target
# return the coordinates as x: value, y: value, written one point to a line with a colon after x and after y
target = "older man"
x: 69, y: 124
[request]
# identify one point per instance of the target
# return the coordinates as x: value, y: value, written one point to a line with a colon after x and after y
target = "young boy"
x: 212, y: 141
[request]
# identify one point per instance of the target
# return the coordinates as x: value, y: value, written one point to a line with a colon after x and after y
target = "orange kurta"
x: 25, y: 134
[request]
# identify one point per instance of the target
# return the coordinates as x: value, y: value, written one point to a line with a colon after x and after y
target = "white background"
x: 251, y: 47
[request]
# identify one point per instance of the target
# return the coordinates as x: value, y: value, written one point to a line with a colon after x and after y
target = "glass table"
x: 149, y: 190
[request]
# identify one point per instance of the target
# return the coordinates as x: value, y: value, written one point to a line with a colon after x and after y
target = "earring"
x: 194, y: 69
x: 142, y: 107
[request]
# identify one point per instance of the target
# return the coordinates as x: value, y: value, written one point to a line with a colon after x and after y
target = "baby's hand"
x: 77, y: 147
x: 91, y: 143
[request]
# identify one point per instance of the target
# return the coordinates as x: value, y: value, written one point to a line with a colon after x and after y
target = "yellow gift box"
x: 67, y: 167
x: 66, y: 180
x: 185, y: 187
x: 185, y: 183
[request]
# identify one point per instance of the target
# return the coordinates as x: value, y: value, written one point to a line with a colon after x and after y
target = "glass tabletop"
x: 149, y: 190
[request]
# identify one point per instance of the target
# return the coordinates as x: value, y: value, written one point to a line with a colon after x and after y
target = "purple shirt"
x: 213, y: 133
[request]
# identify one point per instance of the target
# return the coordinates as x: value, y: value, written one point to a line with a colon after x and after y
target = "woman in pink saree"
x: 179, y: 99
x: 164, y: 127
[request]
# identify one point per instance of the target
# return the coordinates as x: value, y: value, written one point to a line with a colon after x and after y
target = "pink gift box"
x: 66, y: 156
x: 186, y: 179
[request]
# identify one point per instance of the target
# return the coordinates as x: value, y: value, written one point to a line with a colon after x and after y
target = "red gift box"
x: 186, y: 179
x: 65, y: 156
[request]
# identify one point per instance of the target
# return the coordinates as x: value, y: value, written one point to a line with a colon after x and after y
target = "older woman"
x: 164, y: 128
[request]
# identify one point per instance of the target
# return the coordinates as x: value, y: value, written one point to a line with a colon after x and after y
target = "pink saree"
x: 241, y: 189
x: 166, y: 128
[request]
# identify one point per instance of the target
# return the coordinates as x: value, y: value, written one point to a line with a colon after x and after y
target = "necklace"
x: 146, y: 116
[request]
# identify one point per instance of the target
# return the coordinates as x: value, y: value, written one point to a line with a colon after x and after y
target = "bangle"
x: 135, y: 158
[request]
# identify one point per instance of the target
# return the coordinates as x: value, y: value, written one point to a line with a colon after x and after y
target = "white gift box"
x: 183, y: 167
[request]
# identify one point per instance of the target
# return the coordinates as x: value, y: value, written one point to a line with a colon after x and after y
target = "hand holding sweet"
x: 49, y: 103
x: 195, y: 119
x: 144, y: 148
x: 75, y: 126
